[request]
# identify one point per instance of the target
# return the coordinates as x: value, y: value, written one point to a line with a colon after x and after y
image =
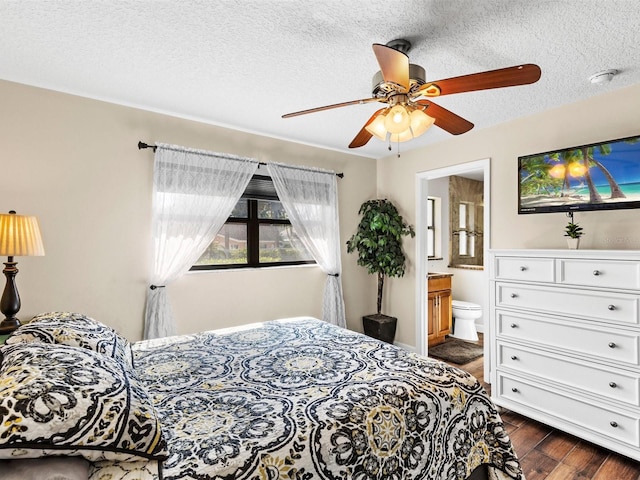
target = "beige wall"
x: 73, y: 162
x: 607, y: 116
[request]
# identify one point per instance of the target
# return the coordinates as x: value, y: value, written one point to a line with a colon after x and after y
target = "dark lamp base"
x: 10, y: 301
x: 8, y: 325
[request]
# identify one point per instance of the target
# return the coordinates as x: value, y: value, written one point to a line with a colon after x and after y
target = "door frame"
x: 422, y: 262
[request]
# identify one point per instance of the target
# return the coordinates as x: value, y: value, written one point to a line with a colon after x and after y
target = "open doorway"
x: 468, y: 283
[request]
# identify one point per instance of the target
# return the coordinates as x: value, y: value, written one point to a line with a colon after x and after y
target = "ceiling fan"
x: 402, y: 87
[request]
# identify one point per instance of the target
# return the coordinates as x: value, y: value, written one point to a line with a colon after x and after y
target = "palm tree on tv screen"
x: 577, y: 163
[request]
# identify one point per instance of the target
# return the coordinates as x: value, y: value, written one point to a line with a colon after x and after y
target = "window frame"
x: 253, y: 223
x: 465, y: 230
x: 431, y: 226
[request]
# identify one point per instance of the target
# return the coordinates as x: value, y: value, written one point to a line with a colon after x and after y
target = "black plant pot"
x: 380, y: 326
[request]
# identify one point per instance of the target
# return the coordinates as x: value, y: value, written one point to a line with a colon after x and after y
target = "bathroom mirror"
x: 466, y: 218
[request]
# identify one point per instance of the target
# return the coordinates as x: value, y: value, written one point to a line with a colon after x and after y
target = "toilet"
x: 465, y: 315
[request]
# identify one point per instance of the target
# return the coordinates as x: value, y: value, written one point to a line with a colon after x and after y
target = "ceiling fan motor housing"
x: 380, y: 88
x: 401, y: 44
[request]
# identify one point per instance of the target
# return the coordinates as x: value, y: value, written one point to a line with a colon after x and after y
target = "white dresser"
x: 565, y: 341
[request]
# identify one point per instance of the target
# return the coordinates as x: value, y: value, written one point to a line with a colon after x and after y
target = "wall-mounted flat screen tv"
x: 599, y: 176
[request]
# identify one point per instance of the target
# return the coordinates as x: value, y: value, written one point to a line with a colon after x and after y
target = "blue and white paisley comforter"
x: 302, y: 399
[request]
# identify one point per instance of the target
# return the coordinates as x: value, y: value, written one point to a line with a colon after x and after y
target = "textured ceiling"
x: 243, y: 64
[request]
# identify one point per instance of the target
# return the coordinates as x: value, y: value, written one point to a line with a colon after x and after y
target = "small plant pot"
x: 380, y: 326
x: 573, y: 243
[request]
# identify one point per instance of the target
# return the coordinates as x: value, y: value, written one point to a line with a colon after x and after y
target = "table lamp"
x: 19, y: 236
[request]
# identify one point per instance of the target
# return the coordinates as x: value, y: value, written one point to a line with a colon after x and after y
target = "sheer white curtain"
x: 194, y: 193
x: 310, y: 198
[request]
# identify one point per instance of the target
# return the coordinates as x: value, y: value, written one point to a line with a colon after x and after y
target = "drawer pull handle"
x: 513, y: 357
x: 514, y: 390
x: 596, y: 272
x: 523, y: 268
x: 514, y: 325
x: 612, y: 345
x: 613, y: 384
x: 514, y: 295
x: 614, y: 424
x: 611, y: 307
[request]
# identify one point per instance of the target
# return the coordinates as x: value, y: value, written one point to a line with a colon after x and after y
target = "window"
x: 466, y: 217
x: 431, y: 228
x: 257, y: 234
x: 465, y: 230
x: 434, y: 228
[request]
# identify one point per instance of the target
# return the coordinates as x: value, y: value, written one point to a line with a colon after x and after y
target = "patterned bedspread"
x: 302, y: 399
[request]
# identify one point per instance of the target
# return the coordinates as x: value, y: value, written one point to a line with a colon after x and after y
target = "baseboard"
x: 409, y: 348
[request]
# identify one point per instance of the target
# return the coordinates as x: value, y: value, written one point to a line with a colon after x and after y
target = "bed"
x: 288, y: 399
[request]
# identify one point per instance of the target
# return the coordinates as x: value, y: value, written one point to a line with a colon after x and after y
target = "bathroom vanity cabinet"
x: 438, y: 307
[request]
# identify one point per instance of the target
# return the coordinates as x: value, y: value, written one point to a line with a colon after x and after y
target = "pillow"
x: 61, y: 400
x: 52, y: 468
x: 75, y: 330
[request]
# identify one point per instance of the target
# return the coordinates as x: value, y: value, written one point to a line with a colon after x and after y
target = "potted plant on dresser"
x: 573, y: 232
x: 378, y: 242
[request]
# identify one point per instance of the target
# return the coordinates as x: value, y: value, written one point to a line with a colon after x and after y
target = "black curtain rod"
x: 142, y: 145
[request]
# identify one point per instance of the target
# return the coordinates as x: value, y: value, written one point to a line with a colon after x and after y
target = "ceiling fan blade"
x: 446, y: 119
x: 503, y: 77
x: 363, y: 135
x: 335, y: 105
x: 394, y: 65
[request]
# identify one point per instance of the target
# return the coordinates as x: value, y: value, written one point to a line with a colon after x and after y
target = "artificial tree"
x: 378, y: 241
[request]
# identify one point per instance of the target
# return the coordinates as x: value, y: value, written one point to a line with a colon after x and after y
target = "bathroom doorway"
x: 470, y: 282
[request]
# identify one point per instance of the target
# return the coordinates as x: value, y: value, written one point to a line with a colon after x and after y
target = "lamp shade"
x: 397, y: 120
x: 420, y: 122
x: 20, y: 236
x: 402, y: 136
x: 377, y: 127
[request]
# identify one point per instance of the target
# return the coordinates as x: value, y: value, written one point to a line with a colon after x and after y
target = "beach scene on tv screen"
x: 591, y: 175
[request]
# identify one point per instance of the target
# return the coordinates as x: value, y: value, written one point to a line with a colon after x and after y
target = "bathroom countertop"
x: 438, y: 275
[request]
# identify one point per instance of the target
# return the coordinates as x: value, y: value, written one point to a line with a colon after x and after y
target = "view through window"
x: 258, y: 233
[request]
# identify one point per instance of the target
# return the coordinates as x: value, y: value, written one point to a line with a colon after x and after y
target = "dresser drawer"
x: 599, y: 273
x: 614, y: 307
x: 591, y: 341
x: 525, y: 269
x: 600, y: 418
x: 600, y: 381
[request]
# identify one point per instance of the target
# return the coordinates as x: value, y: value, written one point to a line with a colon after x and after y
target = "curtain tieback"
x: 153, y: 287
x: 333, y: 274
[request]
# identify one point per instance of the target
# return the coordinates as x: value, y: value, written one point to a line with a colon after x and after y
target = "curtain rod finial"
x: 142, y: 145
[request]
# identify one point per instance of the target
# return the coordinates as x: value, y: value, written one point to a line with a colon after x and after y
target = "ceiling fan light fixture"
x: 420, y: 122
x: 377, y: 128
x: 402, y: 136
x: 398, y: 119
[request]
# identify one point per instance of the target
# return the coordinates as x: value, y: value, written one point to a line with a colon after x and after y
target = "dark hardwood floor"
x: 549, y: 454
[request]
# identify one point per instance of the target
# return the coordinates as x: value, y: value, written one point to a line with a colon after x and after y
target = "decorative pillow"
x: 75, y: 330
x: 61, y: 400
x: 52, y: 468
